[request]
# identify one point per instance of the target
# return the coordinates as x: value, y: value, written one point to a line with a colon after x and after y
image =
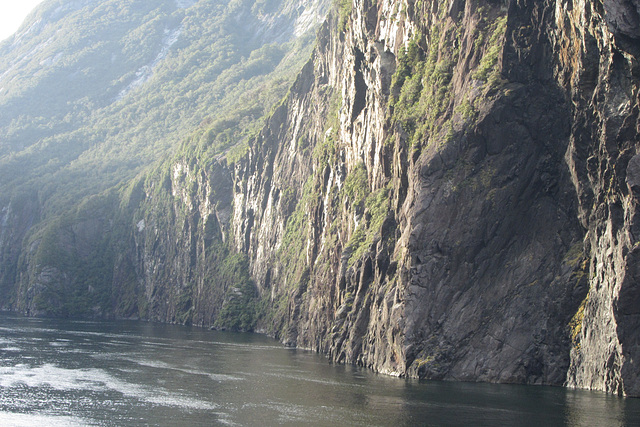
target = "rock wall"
x: 598, y: 47
x: 464, y: 274
x: 177, y: 246
x: 506, y: 239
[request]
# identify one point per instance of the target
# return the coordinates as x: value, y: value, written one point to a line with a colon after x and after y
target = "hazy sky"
x: 12, y: 13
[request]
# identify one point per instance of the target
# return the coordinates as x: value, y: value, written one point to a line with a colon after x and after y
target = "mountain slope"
x: 110, y: 86
x: 92, y: 92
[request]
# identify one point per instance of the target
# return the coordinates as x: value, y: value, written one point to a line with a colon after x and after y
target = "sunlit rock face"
x: 438, y: 220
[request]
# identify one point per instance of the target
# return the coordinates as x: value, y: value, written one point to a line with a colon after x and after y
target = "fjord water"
x: 67, y: 373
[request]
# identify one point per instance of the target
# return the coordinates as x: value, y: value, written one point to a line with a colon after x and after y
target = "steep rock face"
x: 598, y: 66
x: 441, y: 226
x: 301, y: 194
x: 437, y: 252
x: 180, y: 224
x: 489, y: 285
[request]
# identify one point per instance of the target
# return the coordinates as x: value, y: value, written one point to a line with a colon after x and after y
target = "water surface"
x: 69, y: 373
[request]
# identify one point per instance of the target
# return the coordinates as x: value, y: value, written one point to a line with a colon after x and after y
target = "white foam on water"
x: 94, y: 334
x: 94, y: 380
x: 302, y: 378
x: 250, y: 346
x: 54, y: 377
x: 30, y: 420
x: 289, y: 412
x: 151, y: 363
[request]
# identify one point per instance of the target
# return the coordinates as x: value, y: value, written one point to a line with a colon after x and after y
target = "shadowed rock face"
x: 623, y: 17
x: 600, y: 75
x: 450, y: 190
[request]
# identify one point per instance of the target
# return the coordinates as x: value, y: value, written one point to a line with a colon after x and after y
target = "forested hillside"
x: 93, y: 92
x: 90, y: 91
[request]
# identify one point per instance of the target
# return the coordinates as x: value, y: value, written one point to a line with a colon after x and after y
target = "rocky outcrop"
x: 177, y: 250
x: 598, y: 68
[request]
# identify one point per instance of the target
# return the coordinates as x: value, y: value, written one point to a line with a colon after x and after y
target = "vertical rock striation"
x: 467, y: 209
x: 437, y: 224
x: 598, y: 47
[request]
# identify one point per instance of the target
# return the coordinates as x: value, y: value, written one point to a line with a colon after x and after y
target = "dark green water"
x: 65, y: 373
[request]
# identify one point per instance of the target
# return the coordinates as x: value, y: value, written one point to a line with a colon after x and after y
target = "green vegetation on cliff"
x: 422, y: 85
x: 92, y: 95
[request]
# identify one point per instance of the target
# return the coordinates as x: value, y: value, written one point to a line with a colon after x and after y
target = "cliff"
x: 434, y: 224
x: 449, y: 191
x: 597, y: 66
